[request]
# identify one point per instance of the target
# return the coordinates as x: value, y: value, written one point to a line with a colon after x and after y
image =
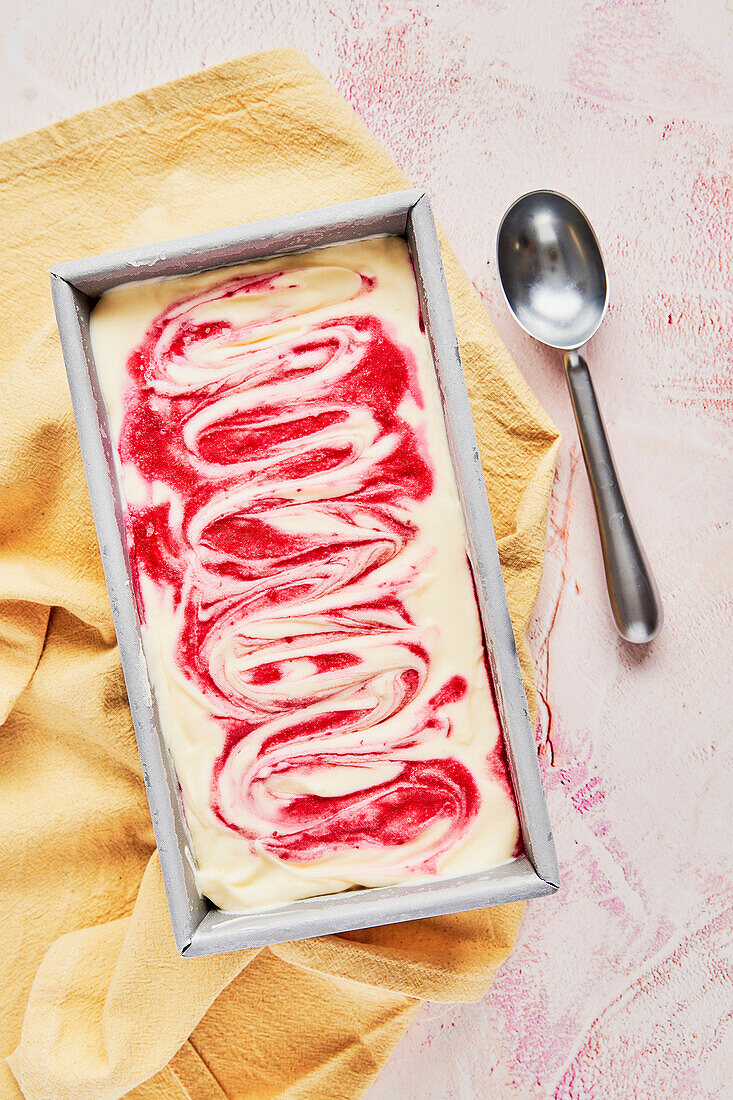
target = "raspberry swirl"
x: 273, y: 428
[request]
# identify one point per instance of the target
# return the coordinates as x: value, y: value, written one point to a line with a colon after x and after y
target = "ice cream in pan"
x: 308, y: 613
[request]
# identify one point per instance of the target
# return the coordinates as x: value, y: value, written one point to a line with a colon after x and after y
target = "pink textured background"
x: 622, y: 985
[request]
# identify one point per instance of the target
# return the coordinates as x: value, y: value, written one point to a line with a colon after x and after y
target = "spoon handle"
x: 632, y: 590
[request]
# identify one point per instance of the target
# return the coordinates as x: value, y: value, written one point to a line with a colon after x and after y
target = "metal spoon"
x: 552, y: 274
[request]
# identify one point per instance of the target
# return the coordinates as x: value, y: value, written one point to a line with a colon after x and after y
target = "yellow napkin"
x: 96, y: 1002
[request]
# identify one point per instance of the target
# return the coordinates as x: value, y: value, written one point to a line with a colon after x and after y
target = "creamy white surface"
x: 439, y: 597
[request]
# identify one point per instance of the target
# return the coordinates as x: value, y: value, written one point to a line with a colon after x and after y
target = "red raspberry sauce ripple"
x: 286, y: 507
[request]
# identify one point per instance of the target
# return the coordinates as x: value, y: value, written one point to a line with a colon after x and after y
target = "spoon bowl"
x: 551, y: 269
x: 552, y: 274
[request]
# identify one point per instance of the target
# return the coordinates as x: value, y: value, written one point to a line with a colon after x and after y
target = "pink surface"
x: 621, y: 985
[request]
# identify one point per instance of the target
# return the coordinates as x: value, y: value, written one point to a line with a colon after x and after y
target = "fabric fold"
x: 22, y: 634
x: 98, y: 1003
x: 113, y: 996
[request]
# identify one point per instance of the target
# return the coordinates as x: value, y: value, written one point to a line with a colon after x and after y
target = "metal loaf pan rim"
x: 198, y: 927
